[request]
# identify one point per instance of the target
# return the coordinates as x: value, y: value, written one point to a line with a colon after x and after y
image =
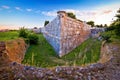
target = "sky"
x: 33, y: 13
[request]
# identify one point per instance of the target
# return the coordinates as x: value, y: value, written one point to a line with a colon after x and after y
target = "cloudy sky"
x: 33, y: 13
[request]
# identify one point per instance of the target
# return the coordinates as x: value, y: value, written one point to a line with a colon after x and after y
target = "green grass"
x: 43, y: 55
x: 39, y: 55
x: 87, y: 52
x: 10, y: 35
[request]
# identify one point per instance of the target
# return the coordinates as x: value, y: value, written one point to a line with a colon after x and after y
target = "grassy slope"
x: 43, y: 55
x: 39, y: 54
x: 4, y: 36
x: 87, y: 52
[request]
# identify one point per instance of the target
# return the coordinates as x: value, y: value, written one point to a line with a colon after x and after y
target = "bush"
x: 23, y: 32
x: 28, y: 36
x: 106, y: 37
x: 33, y: 38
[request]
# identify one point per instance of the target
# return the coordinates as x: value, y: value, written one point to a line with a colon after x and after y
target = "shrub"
x: 106, y: 37
x: 70, y: 14
x: 28, y: 36
x: 33, y: 38
x: 23, y: 32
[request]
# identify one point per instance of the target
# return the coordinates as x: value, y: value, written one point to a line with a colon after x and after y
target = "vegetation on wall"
x: 70, y: 14
x: 46, y: 22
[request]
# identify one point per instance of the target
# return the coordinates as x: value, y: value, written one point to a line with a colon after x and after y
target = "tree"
x: 91, y: 23
x: 116, y: 24
x: 117, y: 28
x: 97, y: 25
x: 105, y: 25
x: 101, y: 25
x: 46, y: 22
x: 70, y: 14
x: 118, y: 15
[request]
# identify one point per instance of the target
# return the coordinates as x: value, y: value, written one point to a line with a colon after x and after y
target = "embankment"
x: 107, y: 70
x: 13, y: 50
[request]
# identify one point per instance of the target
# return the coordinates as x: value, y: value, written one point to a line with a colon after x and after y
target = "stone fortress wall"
x: 52, y: 33
x: 65, y: 33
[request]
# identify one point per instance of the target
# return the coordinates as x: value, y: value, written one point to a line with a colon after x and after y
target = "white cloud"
x: 106, y: 14
x: 5, y: 7
x: 49, y: 13
x: 82, y: 15
x: 18, y: 8
x: 29, y: 10
x: 101, y: 15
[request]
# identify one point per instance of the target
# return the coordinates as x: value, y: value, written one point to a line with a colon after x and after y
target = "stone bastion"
x: 65, y: 33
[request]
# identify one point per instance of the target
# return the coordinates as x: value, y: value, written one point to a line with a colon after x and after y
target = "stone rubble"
x: 109, y: 70
x: 91, y: 72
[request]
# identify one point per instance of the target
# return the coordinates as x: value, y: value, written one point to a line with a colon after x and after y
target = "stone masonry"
x: 65, y: 33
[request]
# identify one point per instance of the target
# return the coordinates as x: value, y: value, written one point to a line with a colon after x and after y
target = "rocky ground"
x: 109, y: 70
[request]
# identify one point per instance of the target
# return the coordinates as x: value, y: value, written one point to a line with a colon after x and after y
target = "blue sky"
x: 33, y: 13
